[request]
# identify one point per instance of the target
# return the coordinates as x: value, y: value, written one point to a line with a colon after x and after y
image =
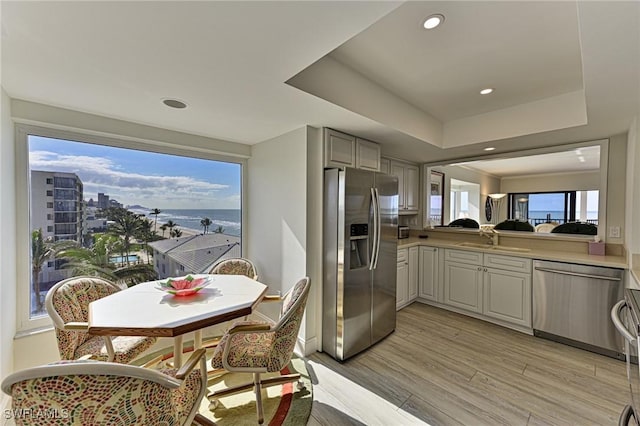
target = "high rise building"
x: 56, y: 208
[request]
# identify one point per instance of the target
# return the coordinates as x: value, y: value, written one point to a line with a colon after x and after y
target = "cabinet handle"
x: 485, y: 269
x: 479, y: 268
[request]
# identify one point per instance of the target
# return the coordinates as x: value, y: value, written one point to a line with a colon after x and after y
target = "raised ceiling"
x: 563, y: 71
x: 583, y: 159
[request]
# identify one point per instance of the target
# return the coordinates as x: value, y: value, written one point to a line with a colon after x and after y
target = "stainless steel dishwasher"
x: 572, y: 305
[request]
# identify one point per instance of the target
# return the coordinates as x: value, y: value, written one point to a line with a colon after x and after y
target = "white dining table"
x: 146, y: 310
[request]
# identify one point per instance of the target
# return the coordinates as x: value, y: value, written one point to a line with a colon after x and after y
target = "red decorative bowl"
x: 184, y: 286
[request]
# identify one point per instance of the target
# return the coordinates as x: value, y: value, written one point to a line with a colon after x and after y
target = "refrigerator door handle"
x: 375, y: 229
x: 378, y: 224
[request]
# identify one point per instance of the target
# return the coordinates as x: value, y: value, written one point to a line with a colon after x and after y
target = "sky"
x: 141, y: 178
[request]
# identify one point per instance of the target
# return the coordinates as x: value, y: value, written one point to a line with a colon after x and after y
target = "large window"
x: 464, y: 200
x: 554, y: 207
x: 144, y: 198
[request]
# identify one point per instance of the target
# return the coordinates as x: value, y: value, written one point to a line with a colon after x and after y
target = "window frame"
x: 25, y: 325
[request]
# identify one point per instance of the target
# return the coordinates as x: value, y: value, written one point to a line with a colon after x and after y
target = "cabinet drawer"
x: 463, y: 256
x: 509, y: 263
x: 403, y: 255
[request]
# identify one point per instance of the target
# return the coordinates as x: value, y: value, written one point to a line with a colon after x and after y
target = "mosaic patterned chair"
x: 67, y: 303
x: 86, y: 392
x: 254, y: 347
x: 236, y: 266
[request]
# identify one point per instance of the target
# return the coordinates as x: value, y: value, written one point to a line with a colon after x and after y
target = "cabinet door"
x: 429, y: 273
x: 463, y: 286
x: 413, y: 273
x: 412, y: 187
x: 385, y: 166
x: 402, y: 284
x: 507, y: 296
x: 339, y: 149
x: 367, y: 155
x: 397, y: 170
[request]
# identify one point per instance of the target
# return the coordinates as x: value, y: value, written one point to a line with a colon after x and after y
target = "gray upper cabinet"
x: 385, y: 165
x: 339, y: 149
x: 408, y: 186
x: 343, y: 150
x: 367, y: 155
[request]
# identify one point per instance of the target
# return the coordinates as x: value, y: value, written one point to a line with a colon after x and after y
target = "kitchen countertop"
x: 560, y: 256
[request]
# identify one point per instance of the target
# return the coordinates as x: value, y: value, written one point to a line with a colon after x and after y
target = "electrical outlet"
x: 614, y: 231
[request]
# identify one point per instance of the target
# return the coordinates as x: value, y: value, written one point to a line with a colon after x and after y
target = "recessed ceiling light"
x: 433, y: 21
x: 174, y: 103
x: 486, y: 91
x: 489, y: 148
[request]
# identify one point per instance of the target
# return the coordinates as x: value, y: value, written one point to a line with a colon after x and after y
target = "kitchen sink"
x: 492, y: 247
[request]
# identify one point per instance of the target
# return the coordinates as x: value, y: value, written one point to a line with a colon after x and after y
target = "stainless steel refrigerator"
x: 360, y: 260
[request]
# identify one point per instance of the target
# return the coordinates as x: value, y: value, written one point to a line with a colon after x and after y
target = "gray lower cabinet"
x: 408, y: 275
x: 413, y: 273
x: 495, y: 286
x: 463, y: 286
x: 507, y: 296
x: 428, y: 270
x: 402, y: 278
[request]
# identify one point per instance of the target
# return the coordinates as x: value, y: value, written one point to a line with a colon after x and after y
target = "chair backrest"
x: 576, y: 228
x: 514, y: 225
x: 236, y: 266
x: 68, y: 301
x: 545, y: 227
x: 96, y: 393
x: 464, y: 223
x: 287, y: 328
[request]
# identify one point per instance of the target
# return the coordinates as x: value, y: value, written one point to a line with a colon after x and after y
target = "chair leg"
x: 203, y: 421
x: 258, y: 390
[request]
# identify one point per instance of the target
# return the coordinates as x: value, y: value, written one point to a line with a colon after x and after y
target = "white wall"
x: 8, y: 242
x: 616, y: 187
x: 488, y: 185
x: 579, y: 181
x: 632, y: 193
x: 278, y: 188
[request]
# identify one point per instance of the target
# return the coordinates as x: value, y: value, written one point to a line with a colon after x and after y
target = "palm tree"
x: 94, y: 261
x: 205, y: 223
x: 145, y: 234
x: 176, y: 233
x: 155, y: 212
x: 219, y: 230
x: 41, y: 251
x: 127, y: 225
x: 163, y: 228
x: 171, y: 224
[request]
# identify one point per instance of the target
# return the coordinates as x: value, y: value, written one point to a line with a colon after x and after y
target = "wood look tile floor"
x: 442, y: 368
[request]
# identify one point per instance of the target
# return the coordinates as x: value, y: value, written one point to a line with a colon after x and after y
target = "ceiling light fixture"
x: 486, y: 91
x: 174, y: 103
x: 489, y: 148
x: 433, y: 21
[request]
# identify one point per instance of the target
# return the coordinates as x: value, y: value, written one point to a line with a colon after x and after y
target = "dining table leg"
x: 197, y: 339
x: 177, y: 351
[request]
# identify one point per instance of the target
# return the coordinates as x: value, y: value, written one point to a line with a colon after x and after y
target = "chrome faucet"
x: 491, y: 234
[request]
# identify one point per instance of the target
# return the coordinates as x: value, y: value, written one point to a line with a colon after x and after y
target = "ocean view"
x: 555, y: 214
x: 229, y: 219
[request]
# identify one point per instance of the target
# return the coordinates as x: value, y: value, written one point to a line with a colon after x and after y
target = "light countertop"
x: 535, y: 253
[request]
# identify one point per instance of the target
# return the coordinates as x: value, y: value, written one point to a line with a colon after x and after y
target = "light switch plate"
x: 614, y: 231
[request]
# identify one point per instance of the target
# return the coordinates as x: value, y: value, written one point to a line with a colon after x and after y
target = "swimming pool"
x: 122, y: 259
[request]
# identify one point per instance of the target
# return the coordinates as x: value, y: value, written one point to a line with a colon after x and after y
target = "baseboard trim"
x: 5, y: 403
x: 306, y: 347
